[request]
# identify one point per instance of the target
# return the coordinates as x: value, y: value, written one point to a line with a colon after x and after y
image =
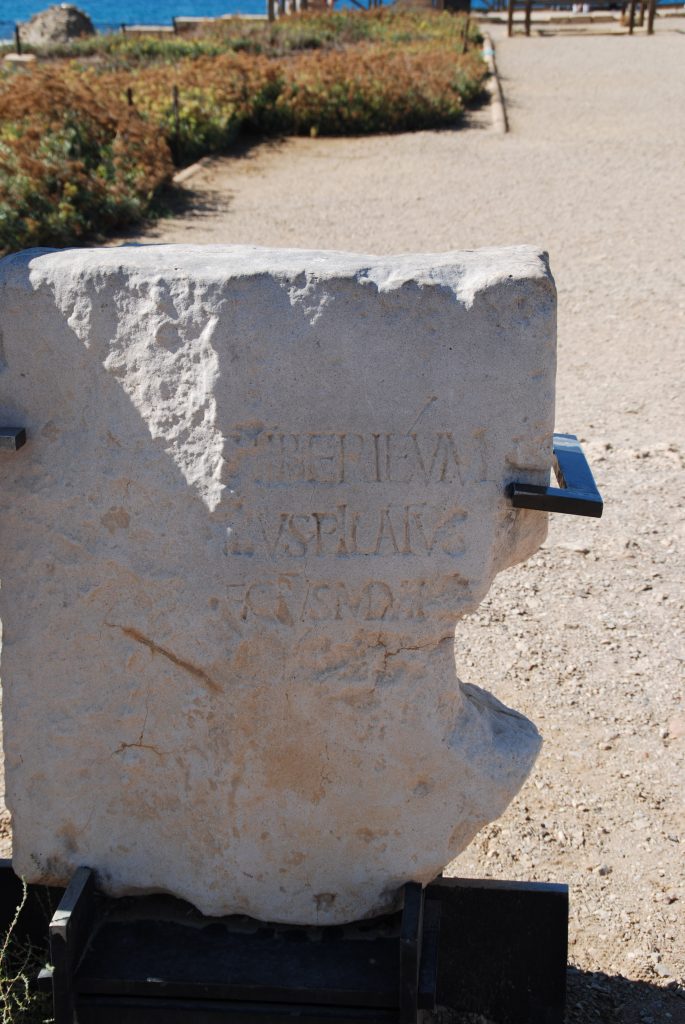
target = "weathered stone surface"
x: 260, y: 488
x: 56, y: 24
x: 20, y: 58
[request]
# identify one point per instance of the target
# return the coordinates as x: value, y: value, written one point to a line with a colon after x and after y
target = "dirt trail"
x: 587, y: 637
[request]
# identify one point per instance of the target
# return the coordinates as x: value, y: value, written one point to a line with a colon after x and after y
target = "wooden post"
x: 271, y: 10
x: 641, y: 16
x: 17, y: 39
x: 651, y: 11
x: 510, y: 18
x: 631, y: 17
x: 529, y: 5
x: 177, y: 114
x: 465, y: 40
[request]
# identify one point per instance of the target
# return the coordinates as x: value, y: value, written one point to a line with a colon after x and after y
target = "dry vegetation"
x: 89, y: 135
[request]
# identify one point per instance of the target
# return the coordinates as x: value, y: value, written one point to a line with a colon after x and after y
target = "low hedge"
x: 87, y: 140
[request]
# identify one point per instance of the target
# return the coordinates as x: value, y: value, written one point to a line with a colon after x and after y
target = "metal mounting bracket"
x: 12, y: 438
x: 577, y: 493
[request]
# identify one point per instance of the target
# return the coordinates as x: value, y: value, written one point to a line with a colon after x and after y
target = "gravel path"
x: 587, y: 637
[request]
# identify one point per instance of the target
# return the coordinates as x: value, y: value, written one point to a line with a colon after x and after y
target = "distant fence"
x: 648, y: 6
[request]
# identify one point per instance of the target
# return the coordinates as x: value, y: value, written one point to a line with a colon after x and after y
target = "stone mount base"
x: 469, y: 945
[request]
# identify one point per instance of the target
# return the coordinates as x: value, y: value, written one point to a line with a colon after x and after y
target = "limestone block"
x: 20, y: 58
x: 259, y: 489
x: 55, y: 25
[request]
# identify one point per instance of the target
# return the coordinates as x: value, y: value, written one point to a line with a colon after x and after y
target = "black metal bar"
x: 12, y: 438
x: 45, y: 981
x: 69, y: 933
x: 430, y: 947
x: 577, y: 493
x: 138, y: 951
x: 153, y: 1010
x: 410, y: 951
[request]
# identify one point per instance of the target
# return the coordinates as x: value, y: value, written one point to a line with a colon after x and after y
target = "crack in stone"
x: 154, y: 648
x: 138, y: 746
x: 387, y: 654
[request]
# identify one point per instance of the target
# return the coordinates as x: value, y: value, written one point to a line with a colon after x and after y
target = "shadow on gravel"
x: 172, y: 201
x: 612, y: 999
x: 594, y: 997
x: 177, y: 200
x: 478, y: 114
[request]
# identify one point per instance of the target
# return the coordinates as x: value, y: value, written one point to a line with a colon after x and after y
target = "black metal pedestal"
x: 503, y: 949
x: 498, y: 949
x: 146, y: 959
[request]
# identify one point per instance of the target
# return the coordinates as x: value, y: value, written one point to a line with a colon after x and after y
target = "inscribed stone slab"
x: 259, y: 490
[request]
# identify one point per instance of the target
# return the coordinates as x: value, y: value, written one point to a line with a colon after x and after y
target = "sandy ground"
x: 586, y: 638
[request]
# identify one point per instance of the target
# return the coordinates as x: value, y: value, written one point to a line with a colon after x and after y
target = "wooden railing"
x: 648, y: 6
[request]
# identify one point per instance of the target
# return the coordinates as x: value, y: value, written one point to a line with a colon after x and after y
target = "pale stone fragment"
x: 56, y: 25
x: 260, y: 487
x: 20, y: 58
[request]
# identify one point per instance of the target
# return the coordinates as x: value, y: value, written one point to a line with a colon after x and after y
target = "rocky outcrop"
x: 57, y: 24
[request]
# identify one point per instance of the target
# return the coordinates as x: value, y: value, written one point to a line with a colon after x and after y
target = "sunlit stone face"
x: 260, y: 489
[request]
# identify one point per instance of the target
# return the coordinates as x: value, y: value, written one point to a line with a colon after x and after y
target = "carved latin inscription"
x: 340, y: 532
x: 296, y: 462
x: 273, y: 458
x: 287, y: 599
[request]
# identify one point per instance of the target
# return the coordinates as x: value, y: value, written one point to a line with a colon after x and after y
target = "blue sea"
x: 109, y: 15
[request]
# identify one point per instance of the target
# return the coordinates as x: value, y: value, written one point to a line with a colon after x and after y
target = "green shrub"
x: 20, y: 1003
x: 77, y: 159
x: 71, y: 164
